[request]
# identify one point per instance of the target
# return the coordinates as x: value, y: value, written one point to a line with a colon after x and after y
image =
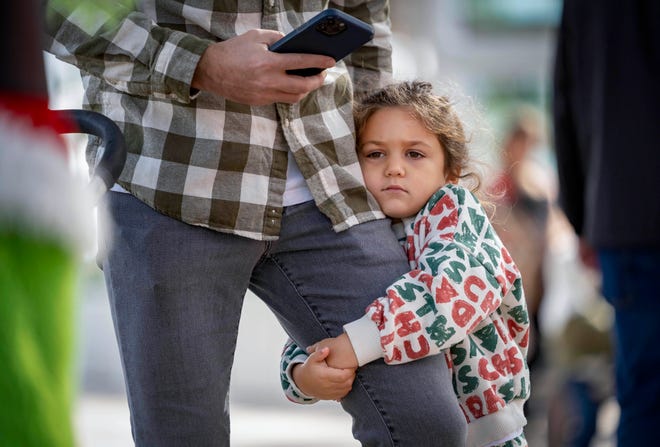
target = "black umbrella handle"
x: 109, y: 166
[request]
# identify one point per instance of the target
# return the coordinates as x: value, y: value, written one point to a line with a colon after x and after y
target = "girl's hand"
x: 315, y: 378
x: 341, y: 354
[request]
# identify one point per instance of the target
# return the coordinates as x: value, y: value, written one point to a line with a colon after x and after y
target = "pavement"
x: 102, y: 421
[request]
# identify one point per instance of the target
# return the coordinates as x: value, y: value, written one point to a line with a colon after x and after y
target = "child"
x: 463, y: 296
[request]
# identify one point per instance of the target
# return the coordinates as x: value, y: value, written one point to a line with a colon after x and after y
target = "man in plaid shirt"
x: 240, y: 176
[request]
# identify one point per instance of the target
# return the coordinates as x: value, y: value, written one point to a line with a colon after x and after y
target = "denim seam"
x: 376, y: 403
x: 287, y: 275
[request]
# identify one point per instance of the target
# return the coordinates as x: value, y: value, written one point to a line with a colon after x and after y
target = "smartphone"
x: 330, y: 33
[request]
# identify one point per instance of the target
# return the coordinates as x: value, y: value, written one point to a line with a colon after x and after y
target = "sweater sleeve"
x: 133, y: 54
x: 292, y: 355
x: 463, y: 271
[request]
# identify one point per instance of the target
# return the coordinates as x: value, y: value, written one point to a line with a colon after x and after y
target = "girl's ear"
x: 452, y: 177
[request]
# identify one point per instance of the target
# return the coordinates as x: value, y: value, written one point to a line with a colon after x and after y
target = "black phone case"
x: 330, y: 33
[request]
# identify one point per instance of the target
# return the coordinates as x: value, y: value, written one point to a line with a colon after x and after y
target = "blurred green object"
x: 93, y: 10
x: 45, y: 224
x: 37, y: 281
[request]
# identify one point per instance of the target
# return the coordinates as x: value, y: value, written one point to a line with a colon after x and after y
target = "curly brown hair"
x: 437, y: 114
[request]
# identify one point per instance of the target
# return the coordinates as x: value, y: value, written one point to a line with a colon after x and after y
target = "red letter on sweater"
x: 493, y: 400
x: 489, y: 304
x: 462, y: 312
x: 407, y: 324
x: 475, y: 405
x: 483, y: 370
x: 445, y: 293
x: 423, y: 348
x: 473, y: 281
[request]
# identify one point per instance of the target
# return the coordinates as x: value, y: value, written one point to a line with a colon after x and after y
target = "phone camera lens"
x: 331, y: 26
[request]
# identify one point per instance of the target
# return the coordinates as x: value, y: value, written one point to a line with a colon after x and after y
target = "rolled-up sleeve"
x: 132, y: 54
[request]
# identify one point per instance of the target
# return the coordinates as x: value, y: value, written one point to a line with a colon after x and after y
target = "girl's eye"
x: 374, y: 154
x: 415, y: 154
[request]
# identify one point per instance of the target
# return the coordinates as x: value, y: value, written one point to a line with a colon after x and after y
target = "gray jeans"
x: 176, y: 293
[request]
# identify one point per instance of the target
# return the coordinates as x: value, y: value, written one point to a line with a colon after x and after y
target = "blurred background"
x: 496, y: 57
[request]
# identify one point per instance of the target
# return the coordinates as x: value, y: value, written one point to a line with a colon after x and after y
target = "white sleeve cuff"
x: 365, y: 338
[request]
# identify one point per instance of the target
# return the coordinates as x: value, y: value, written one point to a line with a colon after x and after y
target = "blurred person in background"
x: 522, y: 195
x: 606, y: 115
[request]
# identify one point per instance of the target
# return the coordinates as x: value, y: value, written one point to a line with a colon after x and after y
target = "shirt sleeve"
x: 370, y: 66
x: 463, y: 273
x: 292, y: 355
x: 134, y: 54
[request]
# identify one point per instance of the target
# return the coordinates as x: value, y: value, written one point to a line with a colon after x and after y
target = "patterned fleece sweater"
x: 463, y: 298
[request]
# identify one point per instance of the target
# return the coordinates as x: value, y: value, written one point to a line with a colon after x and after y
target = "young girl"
x: 463, y: 296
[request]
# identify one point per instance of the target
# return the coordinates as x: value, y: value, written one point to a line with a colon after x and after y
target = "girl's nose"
x: 394, y: 169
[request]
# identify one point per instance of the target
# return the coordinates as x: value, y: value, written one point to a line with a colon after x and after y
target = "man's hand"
x: 315, y: 378
x: 341, y: 355
x: 243, y: 70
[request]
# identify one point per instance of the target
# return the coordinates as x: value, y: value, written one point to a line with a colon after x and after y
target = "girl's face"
x: 402, y: 162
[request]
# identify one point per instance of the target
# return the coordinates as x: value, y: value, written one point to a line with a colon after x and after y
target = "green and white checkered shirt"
x: 208, y: 161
